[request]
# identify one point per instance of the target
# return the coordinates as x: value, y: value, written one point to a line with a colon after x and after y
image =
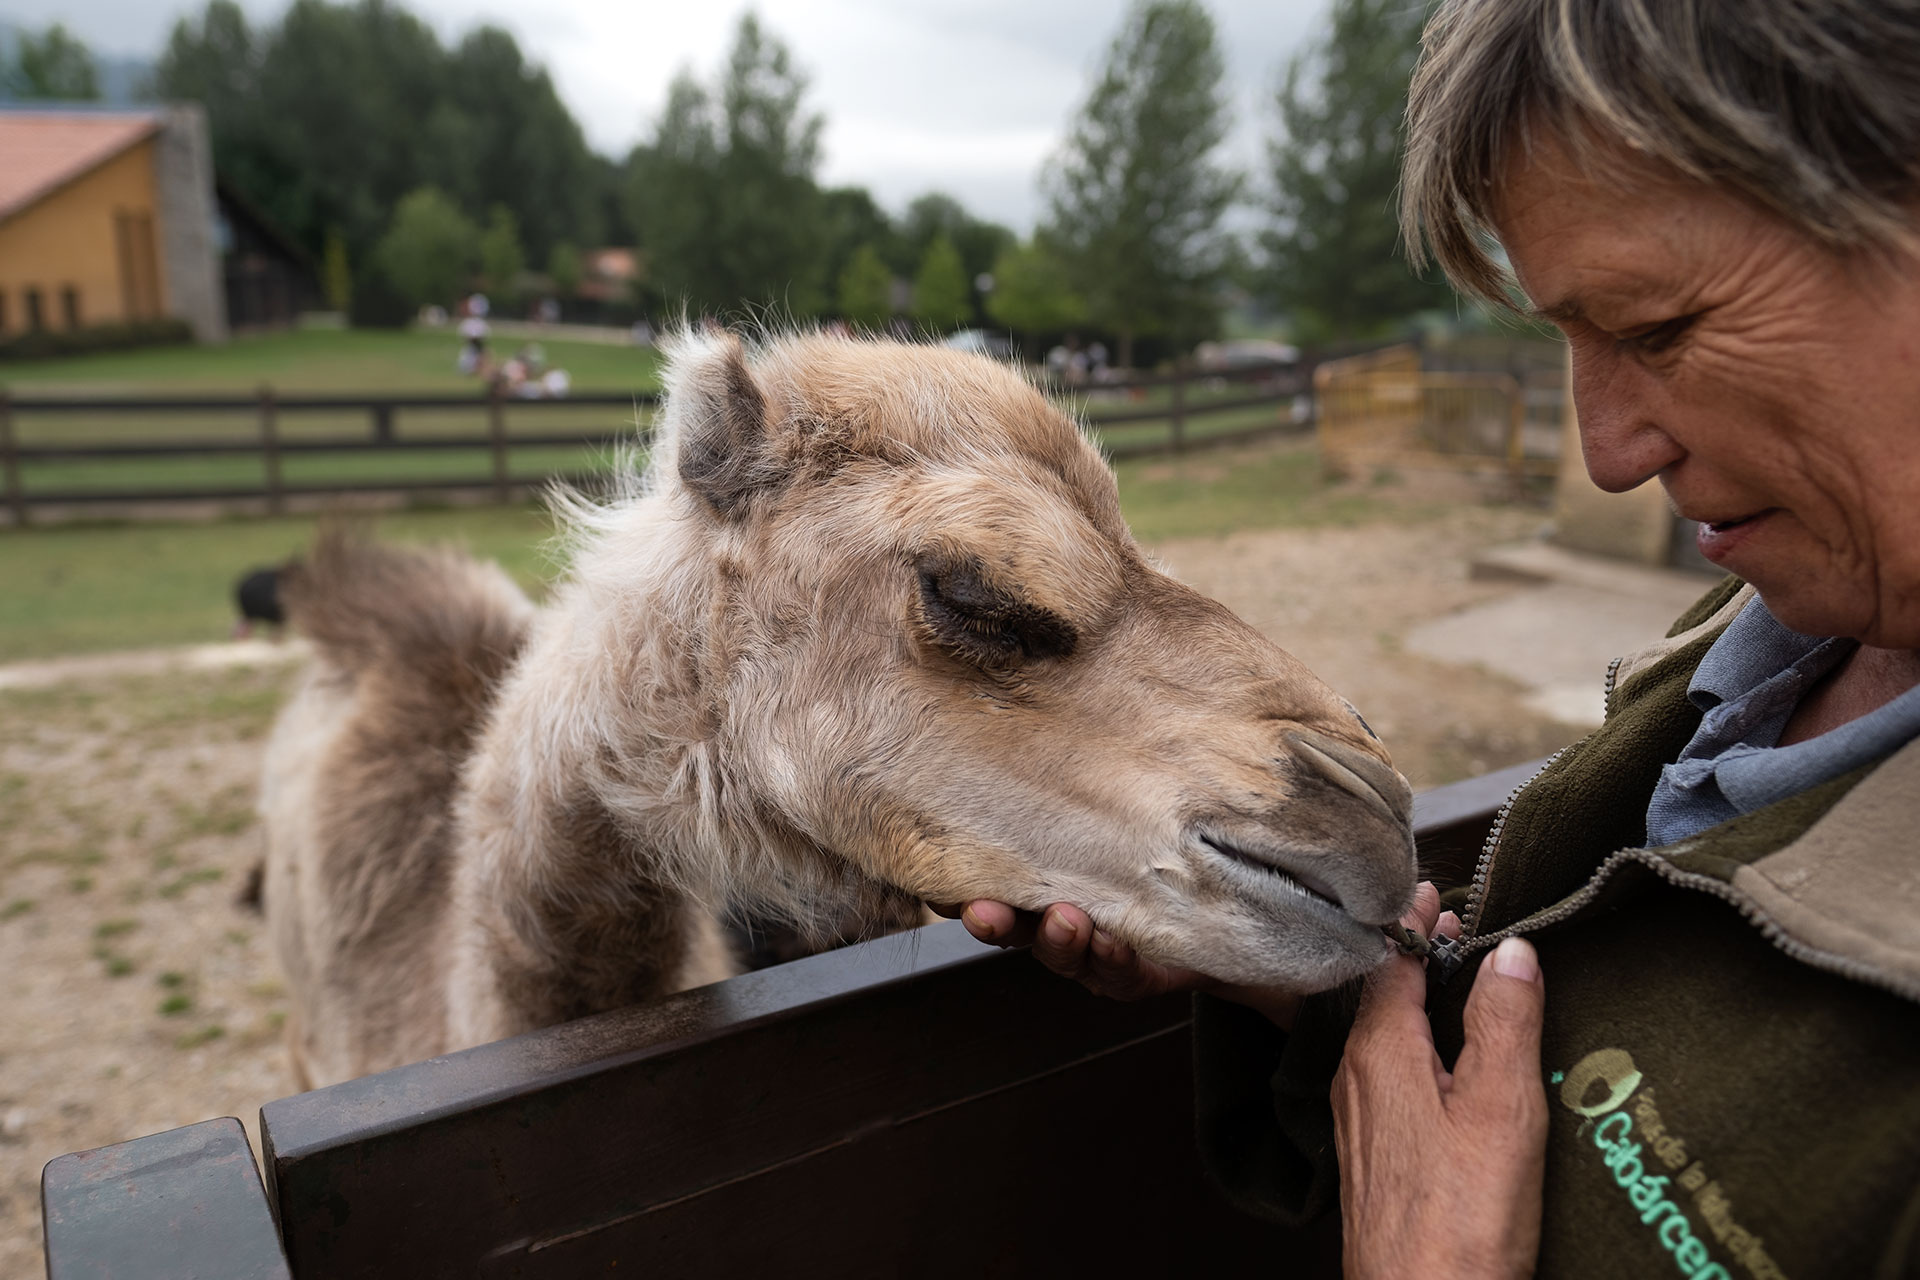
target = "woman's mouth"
x: 1719, y: 539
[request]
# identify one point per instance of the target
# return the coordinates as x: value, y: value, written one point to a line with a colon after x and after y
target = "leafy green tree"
x: 1031, y: 291
x: 429, y: 253
x: 978, y: 241
x: 52, y: 66
x: 501, y: 257
x: 942, y: 294
x: 865, y: 293
x: 563, y: 268
x: 327, y: 117
x: 1332, y: 253
x: 1134, y: 199
x: 724, y: 198
x: 336, y: 276
x: 851, y: 220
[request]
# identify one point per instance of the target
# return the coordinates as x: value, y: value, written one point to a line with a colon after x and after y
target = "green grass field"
x: 80, y: 589
x: 314, y: 361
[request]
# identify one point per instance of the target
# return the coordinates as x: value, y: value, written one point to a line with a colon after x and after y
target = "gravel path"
x: 141, y: 996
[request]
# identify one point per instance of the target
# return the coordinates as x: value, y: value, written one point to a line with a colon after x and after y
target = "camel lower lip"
x: 1278, y: 876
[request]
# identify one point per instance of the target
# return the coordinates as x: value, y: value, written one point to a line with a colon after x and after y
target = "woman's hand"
x: 1440, y: 1173
x: 1064, y: 939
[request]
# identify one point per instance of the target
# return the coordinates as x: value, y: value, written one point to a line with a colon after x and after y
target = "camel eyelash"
x: 986, y: 625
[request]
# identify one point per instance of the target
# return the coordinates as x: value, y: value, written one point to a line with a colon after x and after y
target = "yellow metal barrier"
x: 1381, y: 409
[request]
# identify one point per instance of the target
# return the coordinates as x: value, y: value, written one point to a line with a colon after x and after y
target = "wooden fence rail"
x: 917, y: 1106
x: 276, y: 443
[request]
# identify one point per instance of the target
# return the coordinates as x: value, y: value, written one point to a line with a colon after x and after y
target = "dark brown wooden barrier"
x: 917, y: 1106
x: 270, y: 442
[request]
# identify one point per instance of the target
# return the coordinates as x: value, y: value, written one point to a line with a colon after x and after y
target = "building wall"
x: 71, y: 240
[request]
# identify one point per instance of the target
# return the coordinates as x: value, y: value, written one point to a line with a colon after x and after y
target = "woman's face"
x: 1773, y: 387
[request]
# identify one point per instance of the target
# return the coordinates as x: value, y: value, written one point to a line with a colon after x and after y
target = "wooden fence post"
x: 270, y: 450
x: 497, y: 437
x: 1179, y: 406
x: 10, y: 462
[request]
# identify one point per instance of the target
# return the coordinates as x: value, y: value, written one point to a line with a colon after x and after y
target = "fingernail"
x: 1060, y: 932
x: 975, y: 925
x: 1514, y: 958
x: 1103, y: 944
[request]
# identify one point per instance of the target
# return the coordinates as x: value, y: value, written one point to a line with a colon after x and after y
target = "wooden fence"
x: 920, y: 1105
x: 252, y: 449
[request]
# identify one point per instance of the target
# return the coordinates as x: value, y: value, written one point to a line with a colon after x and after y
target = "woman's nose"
x: 1622, y: 440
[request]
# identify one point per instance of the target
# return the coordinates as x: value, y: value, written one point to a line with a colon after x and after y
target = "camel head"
x: 929, y: 646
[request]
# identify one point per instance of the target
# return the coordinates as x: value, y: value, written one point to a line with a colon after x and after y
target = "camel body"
x: 870, y: 631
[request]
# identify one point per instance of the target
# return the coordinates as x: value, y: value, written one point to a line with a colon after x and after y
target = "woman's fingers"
x: 1064, y: 939
x: 1500, y: 1059
x: 999, y: 924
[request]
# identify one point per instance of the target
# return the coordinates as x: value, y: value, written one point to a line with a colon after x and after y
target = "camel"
x: 869, y: 630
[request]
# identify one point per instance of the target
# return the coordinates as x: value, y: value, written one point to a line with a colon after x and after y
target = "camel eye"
x: 986, y: 625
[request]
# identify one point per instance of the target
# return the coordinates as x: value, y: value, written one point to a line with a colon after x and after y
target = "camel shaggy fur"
x: 871, y: 629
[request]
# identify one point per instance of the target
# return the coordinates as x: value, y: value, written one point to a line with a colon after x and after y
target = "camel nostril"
x: 1372, y: 781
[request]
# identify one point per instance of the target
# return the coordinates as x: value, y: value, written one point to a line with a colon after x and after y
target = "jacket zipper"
x: 1482, y: 869
x: 1770, y: 929
x: 1476, y: 891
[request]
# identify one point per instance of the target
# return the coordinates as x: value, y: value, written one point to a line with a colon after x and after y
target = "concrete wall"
x: 68, y: 241
x: 190, y: 257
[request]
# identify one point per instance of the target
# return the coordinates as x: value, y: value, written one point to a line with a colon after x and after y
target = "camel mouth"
x: 1289, y: 880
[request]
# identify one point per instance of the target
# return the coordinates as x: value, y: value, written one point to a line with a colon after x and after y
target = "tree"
x: 724, y: 198
x: 1031, y: 291
x: 1332, y: 253
x: 52, y: 66
x: 501, y: 258
x: 1134, y: 200
x: 978, y: 241
x: 336, y: 276
x: 942, y: 293
x: 563, y: 268
x: 429, y: 253
x: 327, y: 117
x: 865, y: 293
x: 851, y: 221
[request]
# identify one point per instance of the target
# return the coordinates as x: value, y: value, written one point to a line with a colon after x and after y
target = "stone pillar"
x: 1637, y: 525
x: 189, y: 248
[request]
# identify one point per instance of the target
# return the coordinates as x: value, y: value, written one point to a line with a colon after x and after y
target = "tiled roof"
x: 41, y: 151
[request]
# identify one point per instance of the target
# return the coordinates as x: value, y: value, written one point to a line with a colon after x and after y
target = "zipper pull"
x: 1444, y: 960
x: 1441, y: 954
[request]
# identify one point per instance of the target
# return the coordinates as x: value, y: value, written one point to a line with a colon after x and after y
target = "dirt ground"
x: 140, y: 996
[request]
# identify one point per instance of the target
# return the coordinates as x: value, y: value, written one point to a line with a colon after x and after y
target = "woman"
x: 1718, y: 202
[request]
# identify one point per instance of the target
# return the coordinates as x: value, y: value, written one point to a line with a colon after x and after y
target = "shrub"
x: 43, y: 344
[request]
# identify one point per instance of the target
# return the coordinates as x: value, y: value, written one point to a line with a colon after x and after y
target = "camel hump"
x: 433, y: 621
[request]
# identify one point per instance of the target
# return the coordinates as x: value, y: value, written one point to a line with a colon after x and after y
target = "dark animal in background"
x: 258, y: 597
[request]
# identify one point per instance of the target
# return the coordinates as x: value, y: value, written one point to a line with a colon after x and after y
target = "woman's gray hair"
x: 1808, y: 108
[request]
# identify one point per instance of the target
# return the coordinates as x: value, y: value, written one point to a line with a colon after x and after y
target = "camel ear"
x: 721, y: 413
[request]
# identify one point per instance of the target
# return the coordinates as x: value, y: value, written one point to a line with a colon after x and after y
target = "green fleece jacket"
x: 1731, y: 1051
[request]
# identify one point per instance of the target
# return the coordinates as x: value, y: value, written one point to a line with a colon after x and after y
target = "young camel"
x: 874, y: 630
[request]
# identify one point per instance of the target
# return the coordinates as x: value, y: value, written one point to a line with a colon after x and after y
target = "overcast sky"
x: 963, y: 96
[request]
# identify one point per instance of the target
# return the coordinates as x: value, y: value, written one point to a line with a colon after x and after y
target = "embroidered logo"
x: 1651, y: 1165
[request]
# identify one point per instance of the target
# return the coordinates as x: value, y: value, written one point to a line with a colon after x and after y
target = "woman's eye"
x: 1660, y: 337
